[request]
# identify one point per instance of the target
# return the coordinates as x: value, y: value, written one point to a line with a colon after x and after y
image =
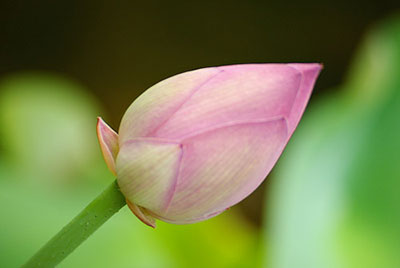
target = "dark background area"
x: 117, y: 49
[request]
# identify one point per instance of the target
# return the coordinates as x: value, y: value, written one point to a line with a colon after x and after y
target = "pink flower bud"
x: 197, y: 143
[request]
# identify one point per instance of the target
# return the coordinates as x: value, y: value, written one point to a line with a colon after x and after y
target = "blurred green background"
x: 333, y: 200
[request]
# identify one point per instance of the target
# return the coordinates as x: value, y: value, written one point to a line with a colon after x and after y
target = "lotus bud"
x: 199, y: 142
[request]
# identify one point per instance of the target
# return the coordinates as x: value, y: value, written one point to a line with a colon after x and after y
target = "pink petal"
x: 237, y: 93
x: 158, y: 103
x: 221, y: 167
x: 108, y: 140
x: 147, y: 170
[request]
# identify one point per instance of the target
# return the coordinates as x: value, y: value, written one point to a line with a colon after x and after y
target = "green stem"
x: 81, y: 227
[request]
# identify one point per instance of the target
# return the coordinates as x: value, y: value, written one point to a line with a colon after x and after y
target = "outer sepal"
x: 142, y: 214
x: 108, y: 140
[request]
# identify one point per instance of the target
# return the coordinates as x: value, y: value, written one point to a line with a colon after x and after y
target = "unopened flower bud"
x: 199, y: 142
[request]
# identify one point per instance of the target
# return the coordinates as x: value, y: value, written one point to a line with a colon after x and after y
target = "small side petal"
x: 142, y: 214
x: 108, y: 140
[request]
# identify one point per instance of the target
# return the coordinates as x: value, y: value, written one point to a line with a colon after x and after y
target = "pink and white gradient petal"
x: 221, y: 167
x: 236, y: 93
x: 159, y: 102
x: 147, y: 170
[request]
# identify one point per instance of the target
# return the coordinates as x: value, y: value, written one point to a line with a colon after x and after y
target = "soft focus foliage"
x: 335, y: 200
x: 47, y: 125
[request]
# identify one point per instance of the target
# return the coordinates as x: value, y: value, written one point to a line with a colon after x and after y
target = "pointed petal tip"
x: 308, y: 67
x: 108, y: 140
x: 310, y: 73
x: 142, y: 215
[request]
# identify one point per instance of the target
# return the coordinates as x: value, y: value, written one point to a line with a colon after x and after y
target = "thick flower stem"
x: 81, y: 227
